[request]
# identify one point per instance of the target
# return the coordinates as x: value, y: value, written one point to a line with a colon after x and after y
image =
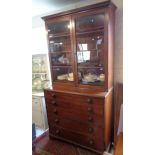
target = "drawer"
x: 75, y: 115
x: 88, y: 141
x: 78, y: 102
x: 87, y: 129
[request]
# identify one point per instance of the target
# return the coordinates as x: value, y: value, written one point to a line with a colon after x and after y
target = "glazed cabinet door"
x: 90, y: 53
x: 60, y: 49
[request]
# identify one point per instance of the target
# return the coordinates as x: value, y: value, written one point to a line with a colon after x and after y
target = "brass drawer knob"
x: 54, y: 102
x: 91, y: 142
x: 89, y: 100
x: 56, y: 120
x: 55, y: 111
x: 53, y: 95
x: 57, y: 131
x: 90, y: 109
x: 90, y: 119
x: 90, y: 130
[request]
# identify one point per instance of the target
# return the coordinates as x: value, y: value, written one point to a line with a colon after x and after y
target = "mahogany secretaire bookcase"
x: 81, y: 49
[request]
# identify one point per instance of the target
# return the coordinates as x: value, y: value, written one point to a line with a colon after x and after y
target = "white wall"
x: 118, y: 55
x: 39, y: 42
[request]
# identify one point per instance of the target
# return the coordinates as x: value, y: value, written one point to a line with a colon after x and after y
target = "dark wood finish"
x: 79, y: 111
x: 85, y: 115
x: 108, y: 117
x: 118, y: 100
x: 88, y: 141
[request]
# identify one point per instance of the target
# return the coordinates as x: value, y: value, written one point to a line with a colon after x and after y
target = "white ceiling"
x: 40, y: 7
x: 44, y: 6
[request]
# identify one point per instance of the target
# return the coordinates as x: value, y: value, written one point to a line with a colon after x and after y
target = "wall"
x: 39, y: 42
x: 118, y: 65
x: 118, y: 60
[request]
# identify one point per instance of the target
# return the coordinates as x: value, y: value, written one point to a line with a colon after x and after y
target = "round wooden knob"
x: 54, y: 102
x: 56, y: 120
x: 90, y: 118
x: 53, y: 95
x: 90, y: 130
x: 90, y: 109
x: 91, y: 142
x: 89, y: 100
x: 55, y: 111
x: 57, y: 131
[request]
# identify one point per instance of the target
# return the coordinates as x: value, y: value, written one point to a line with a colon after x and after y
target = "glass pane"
x: 60, y: 44
x: 90, y: 50
x: 89, y: 22
x: 64, y: 74
x: 57, y: 28
x: 61, y: 58
x: 91, y: 76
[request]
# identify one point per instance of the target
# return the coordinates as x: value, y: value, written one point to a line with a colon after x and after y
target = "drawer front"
x: 88, y: 141
x: 76, y: 118
x: 86, y: 129
x: 78, y: 102
x: 75, y: 115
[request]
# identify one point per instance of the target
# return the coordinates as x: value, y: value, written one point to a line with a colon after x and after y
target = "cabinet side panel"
x: 118, y: 100
x: 111, y: 46
x: 108, y: 118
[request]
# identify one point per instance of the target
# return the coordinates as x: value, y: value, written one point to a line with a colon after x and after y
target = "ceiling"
x: 44, y: 6
x: 40, y: 7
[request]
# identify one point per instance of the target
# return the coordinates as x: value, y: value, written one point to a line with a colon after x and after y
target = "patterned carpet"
x: 45, y: 146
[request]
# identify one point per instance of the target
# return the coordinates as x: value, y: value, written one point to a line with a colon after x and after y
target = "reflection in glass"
x: 59, y: 44
x: 83, y: 56
x: 93, y: 76
x: 89, y: 22
x: 62, y: 27
x: 61, y: 58
x: 64, y: 74
x: 89, y: 58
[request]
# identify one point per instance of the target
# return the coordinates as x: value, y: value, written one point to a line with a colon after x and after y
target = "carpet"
x: 46, y: 146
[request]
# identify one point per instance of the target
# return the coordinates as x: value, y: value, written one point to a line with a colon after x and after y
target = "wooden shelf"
x: 59, y: 52
x: 58, y: 35
x: 69, y: 66
x: 85, y: 67
x: 100, y: 29
x: 60, y: 65
x: 97, y: 83
x: 91, y: 50
x: 65, y: 81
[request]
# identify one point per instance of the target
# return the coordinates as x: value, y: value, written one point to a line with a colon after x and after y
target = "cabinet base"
x: 74, y: 143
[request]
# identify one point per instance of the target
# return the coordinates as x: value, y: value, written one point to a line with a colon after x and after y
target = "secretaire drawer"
x: 88, y: 141
x: 84, y: 128
x: 75, y: 115
x: 73, y: 101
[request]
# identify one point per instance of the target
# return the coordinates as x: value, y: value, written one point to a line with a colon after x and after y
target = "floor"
x: 46, y: 146
x: 39, y: 132
x: 119, y: 145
